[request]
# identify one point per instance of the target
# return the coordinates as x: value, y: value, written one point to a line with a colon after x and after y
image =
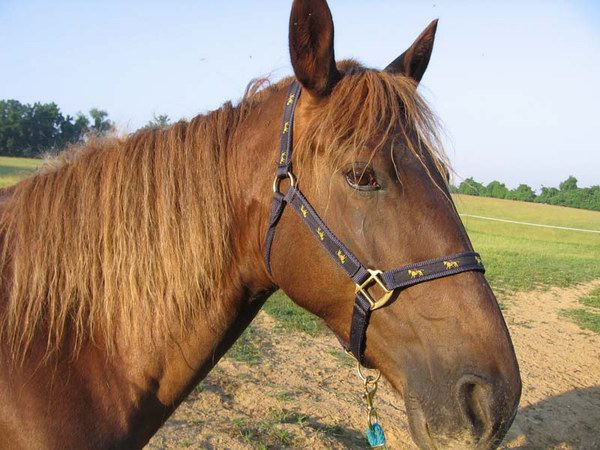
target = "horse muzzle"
x: 476, y: 414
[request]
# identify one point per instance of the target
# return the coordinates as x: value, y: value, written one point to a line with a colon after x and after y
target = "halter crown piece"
x: 364, y: 278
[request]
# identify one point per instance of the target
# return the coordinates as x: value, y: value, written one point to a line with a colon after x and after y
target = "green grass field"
x: 522, y: 257
x: 13, y: 169
x: 517, y: 257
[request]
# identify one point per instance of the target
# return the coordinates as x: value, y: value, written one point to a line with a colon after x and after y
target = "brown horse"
x: 130, y: 266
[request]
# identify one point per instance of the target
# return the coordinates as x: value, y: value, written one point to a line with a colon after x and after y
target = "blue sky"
x: 515, y: 83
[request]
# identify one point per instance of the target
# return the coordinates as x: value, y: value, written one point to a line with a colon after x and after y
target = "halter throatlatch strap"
x: 363, y: 278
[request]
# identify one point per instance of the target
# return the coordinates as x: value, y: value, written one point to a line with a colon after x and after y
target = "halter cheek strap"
x: 363, y: 278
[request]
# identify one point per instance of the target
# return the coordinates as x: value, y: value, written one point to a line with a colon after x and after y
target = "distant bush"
x: 523, y: 193
x: 160, y: 121
x: 496, y: 189
x: 471, y: 187
x: 567, y: 194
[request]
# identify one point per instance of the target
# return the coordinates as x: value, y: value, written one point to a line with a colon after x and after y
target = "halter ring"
x: 278, y: 181
x: 371, y: 379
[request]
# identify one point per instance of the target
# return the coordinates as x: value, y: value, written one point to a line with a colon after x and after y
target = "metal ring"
x: 278, y: 181
x: 368, y: 377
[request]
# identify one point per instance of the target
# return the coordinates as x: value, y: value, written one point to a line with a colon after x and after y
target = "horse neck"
x: 250, y: 171
x: 249, y: 177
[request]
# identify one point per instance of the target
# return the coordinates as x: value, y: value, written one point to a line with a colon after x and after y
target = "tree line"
x: 32, y: 130
x: 567, y: 193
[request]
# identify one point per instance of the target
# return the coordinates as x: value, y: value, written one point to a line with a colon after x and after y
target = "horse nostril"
x: 474, y: 396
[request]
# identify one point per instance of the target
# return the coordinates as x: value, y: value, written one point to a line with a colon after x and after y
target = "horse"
x: 130, y: 265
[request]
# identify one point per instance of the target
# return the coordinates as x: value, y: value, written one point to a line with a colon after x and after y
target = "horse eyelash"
x: 362, y: 178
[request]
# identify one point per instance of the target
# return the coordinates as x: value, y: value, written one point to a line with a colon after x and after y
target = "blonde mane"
x: 133, y: 234
x: 130, y: 233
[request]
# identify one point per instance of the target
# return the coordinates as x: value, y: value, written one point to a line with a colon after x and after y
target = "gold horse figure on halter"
x: 303, y: 210
x: 321, y: 234
x: 451, y: 265
x: 341, y: 256
x: 416, y: 273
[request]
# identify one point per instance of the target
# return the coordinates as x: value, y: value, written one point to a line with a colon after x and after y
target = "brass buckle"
x: 374, y: 278
x: 278, y: 181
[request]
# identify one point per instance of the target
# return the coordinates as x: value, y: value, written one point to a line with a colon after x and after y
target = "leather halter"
x: 363, y: 277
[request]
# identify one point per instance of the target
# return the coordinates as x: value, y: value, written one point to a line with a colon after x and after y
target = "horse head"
x: 367, y: 158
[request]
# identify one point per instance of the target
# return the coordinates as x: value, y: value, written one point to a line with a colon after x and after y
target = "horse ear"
x: 414, y: 61
x: 311, y: 46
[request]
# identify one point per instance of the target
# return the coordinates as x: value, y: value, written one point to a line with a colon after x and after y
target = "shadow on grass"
x: 568, y: 420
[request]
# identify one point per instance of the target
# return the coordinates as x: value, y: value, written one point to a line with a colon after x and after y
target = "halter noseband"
x: 363, y: 278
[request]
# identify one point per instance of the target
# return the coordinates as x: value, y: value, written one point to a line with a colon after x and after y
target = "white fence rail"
x: 539, y: 225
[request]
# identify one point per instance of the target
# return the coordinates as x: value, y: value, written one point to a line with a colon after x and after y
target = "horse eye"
x: 362, y: 178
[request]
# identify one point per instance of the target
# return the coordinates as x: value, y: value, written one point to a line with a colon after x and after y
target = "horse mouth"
x: 417, y: 422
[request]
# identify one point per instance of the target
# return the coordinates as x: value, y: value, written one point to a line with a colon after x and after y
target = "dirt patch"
x: 303, y: 392
x: 560, y: 367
